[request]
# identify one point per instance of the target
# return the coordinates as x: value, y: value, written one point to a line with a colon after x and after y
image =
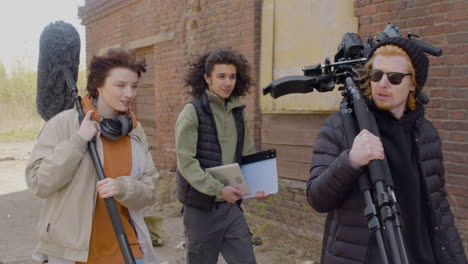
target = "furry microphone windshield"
x: 59, y: 49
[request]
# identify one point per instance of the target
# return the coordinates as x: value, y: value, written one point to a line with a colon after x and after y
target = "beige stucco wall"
x: 298, y: 33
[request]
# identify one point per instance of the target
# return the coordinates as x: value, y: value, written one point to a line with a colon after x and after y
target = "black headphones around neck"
x: 113, y: 129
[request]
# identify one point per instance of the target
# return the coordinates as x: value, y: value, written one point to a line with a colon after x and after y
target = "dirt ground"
x: 19, y: 212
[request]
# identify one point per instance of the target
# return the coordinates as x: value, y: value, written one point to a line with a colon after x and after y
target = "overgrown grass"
x: 19, y: 135
x: 18, y: 124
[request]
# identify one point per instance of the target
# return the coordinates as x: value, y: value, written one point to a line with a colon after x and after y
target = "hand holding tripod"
x: 378, y: 186
x: 381, y: 208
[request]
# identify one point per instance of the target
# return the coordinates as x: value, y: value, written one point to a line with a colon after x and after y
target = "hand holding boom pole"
x: 57, y: 71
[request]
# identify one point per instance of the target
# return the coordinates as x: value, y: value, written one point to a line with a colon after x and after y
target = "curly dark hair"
x: 100, y: 67
x: 205, y: 64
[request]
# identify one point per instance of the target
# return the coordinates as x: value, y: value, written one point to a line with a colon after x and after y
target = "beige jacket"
x: 61, y: 171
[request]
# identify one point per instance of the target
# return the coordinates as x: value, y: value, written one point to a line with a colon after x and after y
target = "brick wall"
x: 444, y: 24
x: 169, y: 33
x: 441, y: 23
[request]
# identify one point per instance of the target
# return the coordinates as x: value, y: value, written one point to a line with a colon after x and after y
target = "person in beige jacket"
x: 74, y: 225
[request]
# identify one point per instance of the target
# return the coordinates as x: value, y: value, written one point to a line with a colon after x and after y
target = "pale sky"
x: 22, y: 22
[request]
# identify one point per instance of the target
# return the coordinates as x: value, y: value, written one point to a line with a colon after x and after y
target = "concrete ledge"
x: 144, y: 42
x: 141, y: 43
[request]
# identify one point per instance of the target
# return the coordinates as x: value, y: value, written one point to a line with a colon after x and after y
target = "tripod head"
x: 349, y: 59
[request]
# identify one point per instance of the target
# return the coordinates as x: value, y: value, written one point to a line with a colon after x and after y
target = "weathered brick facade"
x: 440, y: 23
x: 444, y: 24
x: 169, y: 32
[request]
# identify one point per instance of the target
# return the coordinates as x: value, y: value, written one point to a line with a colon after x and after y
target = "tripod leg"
x: 380, y: 242
x: 370, y: 211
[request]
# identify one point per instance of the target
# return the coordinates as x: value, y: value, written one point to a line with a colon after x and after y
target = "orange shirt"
x: 104, y: 247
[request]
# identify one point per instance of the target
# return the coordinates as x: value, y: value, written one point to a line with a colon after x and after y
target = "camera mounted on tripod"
x: 381, y: 207
x: 349, y: 59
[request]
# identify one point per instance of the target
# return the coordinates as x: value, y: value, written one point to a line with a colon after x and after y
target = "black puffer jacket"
x: 333, y: 188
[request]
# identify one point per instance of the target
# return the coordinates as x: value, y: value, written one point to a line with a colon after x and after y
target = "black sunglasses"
x: 394, y: 78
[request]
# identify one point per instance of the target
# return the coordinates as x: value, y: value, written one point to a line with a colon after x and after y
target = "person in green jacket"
x: 212, y: 130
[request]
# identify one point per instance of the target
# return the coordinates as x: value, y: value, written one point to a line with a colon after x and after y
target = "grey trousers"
x: 222, y: 229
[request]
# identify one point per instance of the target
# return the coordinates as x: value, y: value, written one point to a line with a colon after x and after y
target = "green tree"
x: 18, y: 90
x: 22, y: 84
x: 3, y: 84
x: 82, y: 80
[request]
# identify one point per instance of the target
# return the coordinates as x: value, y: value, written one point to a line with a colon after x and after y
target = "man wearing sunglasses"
x: 396, y: 73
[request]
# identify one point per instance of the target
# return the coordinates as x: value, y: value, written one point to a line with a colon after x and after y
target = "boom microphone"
x: 59, y: 49
x: 59, y: 59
